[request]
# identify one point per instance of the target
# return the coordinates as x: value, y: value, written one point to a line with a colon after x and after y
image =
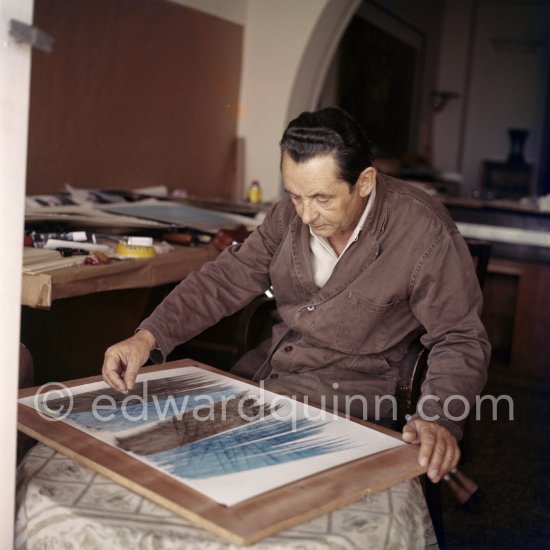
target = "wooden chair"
x: 255, y: 323
x: 481, y: 252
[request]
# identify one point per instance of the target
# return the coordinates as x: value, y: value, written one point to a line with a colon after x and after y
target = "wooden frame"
x: 243, y: 523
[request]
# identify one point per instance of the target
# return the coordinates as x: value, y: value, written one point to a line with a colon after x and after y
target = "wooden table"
x: 71, y: 315
x: 41, y: 290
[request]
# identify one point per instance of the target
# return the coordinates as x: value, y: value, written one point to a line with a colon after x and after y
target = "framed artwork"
x: 220, y: 451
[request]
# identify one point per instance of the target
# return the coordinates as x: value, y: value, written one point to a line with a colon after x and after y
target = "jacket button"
x: 274, y: 375
x: 311, y: 307
x: 288, y: 348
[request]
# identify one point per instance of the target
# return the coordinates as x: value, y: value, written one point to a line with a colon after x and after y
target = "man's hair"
x: 328, y: 131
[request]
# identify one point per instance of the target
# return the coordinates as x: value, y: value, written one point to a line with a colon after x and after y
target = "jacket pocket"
x: 363, y: 325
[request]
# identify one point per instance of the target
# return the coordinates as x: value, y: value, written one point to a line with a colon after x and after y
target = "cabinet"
x: 516, y: 313
x: 502, y: 180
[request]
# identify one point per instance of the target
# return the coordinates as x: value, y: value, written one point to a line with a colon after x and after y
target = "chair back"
x: 481, y: 252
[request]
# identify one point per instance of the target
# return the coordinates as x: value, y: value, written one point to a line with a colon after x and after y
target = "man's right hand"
x: 123, y: 360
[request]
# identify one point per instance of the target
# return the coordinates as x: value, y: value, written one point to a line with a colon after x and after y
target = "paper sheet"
x: 182, y: 215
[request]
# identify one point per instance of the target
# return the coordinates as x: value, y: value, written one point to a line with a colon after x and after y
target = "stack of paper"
x: 38, y: 260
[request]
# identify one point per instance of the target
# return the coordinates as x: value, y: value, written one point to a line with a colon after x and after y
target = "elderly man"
x: 360, y: 264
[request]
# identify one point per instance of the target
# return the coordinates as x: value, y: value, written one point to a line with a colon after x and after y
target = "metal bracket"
x: 24, y: 33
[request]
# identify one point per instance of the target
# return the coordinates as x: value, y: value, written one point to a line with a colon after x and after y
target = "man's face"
x: 322, y: 200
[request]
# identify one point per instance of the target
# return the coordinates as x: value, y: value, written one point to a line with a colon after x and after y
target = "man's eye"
x: 323, y: 200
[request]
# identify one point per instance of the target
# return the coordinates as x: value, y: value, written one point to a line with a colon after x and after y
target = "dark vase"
x: 517, y: 143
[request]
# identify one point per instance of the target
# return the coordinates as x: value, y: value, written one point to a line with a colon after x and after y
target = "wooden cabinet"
x: 516, y: 313
x: 504, y: 180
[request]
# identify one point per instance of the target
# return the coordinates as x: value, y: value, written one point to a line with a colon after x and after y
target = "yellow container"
x: 254, y: 194
x: 134, y: 251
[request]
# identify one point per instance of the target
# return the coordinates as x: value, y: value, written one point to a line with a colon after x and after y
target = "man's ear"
x: 366, y: 181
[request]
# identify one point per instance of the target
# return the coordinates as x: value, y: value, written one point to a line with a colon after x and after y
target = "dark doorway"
x: 377, y: 85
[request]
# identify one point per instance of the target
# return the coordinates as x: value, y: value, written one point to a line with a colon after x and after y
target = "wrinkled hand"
x: 123, y: 360
x: 438, y: 447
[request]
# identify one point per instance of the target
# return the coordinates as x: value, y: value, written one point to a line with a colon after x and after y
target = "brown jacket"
x: 409, y: 273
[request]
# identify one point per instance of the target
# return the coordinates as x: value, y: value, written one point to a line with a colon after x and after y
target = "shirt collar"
x: 358, y: 227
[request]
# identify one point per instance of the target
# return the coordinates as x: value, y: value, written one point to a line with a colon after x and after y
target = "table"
x: 517, y: 231
x: 71, y: 315
x: 40, y: 290
x: 61, y: 504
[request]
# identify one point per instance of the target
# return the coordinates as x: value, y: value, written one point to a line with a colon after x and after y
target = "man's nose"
x: 309, y: 213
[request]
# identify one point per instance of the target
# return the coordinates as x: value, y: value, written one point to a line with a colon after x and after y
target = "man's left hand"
x: 438, y: 447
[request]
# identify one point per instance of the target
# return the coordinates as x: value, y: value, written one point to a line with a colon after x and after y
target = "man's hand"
x: 123, y: 360
x: 438, y: 447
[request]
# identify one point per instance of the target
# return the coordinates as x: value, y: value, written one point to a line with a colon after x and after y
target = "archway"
x: 318, y: 55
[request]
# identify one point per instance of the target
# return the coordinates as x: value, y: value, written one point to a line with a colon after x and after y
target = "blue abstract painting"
x: 265, y: 443
x: 223, y: 437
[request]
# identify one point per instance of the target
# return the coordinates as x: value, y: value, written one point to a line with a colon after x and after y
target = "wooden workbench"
x: 42, y: 289
x: 71, y: 315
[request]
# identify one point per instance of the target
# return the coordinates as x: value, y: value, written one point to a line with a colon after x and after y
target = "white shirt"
x: 323, y: 256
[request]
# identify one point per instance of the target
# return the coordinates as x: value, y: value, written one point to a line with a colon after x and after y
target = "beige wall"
x: 507, y: 84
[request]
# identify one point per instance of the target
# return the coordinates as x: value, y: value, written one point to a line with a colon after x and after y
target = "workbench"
x: 71, y: 315
x: 41, y: 290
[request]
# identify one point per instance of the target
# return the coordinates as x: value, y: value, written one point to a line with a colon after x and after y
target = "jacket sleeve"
x: 221, y: 287
x: 446, y: 299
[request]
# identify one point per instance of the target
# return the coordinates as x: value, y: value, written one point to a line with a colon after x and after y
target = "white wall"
x: 14, y: 105
x: 507, y: 82
x: 501, y: 88
x: 288, y: 50
x: 452, y: 77
x: 276, y: 35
